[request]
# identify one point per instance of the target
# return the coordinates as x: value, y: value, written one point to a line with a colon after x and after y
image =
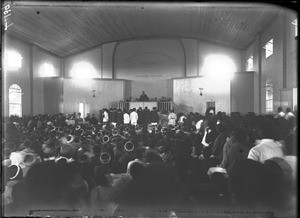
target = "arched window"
x: 15, y: 100
x: 269, y: 96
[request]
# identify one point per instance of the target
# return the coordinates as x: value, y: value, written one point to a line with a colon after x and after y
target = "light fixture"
x: 201, y: 89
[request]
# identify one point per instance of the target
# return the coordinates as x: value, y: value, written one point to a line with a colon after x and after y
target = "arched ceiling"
x: 66, y: 28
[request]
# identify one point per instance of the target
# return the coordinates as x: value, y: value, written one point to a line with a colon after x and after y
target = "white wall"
x: 187, y: 94
x: 41, y: 57
x: 90, y: 59
x: 206, y: 49
x: 242, y: 92
x: 77, y: 91
x: 149, y: 64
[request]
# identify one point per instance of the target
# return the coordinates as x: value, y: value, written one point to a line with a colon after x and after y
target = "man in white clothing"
x: 267, y: 147
x: 289, y: 115
x: 280, y: 113
x: 172, y: 118
x: 134, y: 117
x: 126, y: 118
x: 105, y: 116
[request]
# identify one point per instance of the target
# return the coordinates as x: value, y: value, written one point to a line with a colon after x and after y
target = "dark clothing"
x: 94, y: 121
x: 87, y: 119
x: 233, y: 151
x: 144, y: 97
x: 113, y: 117
x: 217, y: 147
x: 140, y: 116
x: 120, y: 118
x: 154, y: 116
x: 147, y: 116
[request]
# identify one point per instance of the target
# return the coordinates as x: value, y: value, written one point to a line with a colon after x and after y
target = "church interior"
x: 142, y: 108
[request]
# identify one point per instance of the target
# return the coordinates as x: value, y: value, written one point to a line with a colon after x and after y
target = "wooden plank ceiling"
x: 69, y: 28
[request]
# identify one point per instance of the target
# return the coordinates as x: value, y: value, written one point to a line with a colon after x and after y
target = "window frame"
x: 15, y: 100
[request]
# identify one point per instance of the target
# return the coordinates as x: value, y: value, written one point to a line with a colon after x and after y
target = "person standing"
x: 134, y: 117
x: 147, y: 115
x: 154, y: 116
x: 113, y: 117
x: 172, y: 117
x: 126, y: 118
x: 280, y: 113
x: 105, y: 116
x: 120, y: 119
x: 140, y: 116
x: 93, y: 120
x: 143, y: 97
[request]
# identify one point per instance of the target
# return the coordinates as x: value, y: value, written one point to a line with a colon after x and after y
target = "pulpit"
x: 143, y: 104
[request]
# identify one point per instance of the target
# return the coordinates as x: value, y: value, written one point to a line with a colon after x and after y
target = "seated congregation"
x: 108, y: 167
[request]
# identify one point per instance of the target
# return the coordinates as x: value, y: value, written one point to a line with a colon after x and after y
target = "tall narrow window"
x: 269, y: 96
x: 295, y: 23
x: 15, y: 100
x: 250, y: 64
x: 269, y: 48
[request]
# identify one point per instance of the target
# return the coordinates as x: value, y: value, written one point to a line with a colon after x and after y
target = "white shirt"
x: 280, y: 114
x: 126, y: 118
x: 134, y: 117
x: 172, y: 119
x: 198, y: 124
x: 105, y: 117
x: 289, y: 116
x: 181, y: 119
x: 266, y: 149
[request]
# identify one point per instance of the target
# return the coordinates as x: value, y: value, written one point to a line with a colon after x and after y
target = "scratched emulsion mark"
x: 6, y: 13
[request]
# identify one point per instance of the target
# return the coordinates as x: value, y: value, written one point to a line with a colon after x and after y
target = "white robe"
x: 134, y: 118
x: 105, y: 117
x: 172, y: 119
x: 126, y: 118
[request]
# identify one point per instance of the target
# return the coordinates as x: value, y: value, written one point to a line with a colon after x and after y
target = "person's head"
x: 288, y: 110
x: 279, y: 109
x: 143, y: 92
x: 136, y: 171
x: 221, y: 128
x: 239, y: 135
x: 267, y: 130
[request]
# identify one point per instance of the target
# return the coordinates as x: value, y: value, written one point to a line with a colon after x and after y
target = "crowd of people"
x: 132, y: 162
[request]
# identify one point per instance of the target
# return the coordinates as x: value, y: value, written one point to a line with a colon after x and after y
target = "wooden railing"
x: 162, y: 105
x: 165, y: 106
